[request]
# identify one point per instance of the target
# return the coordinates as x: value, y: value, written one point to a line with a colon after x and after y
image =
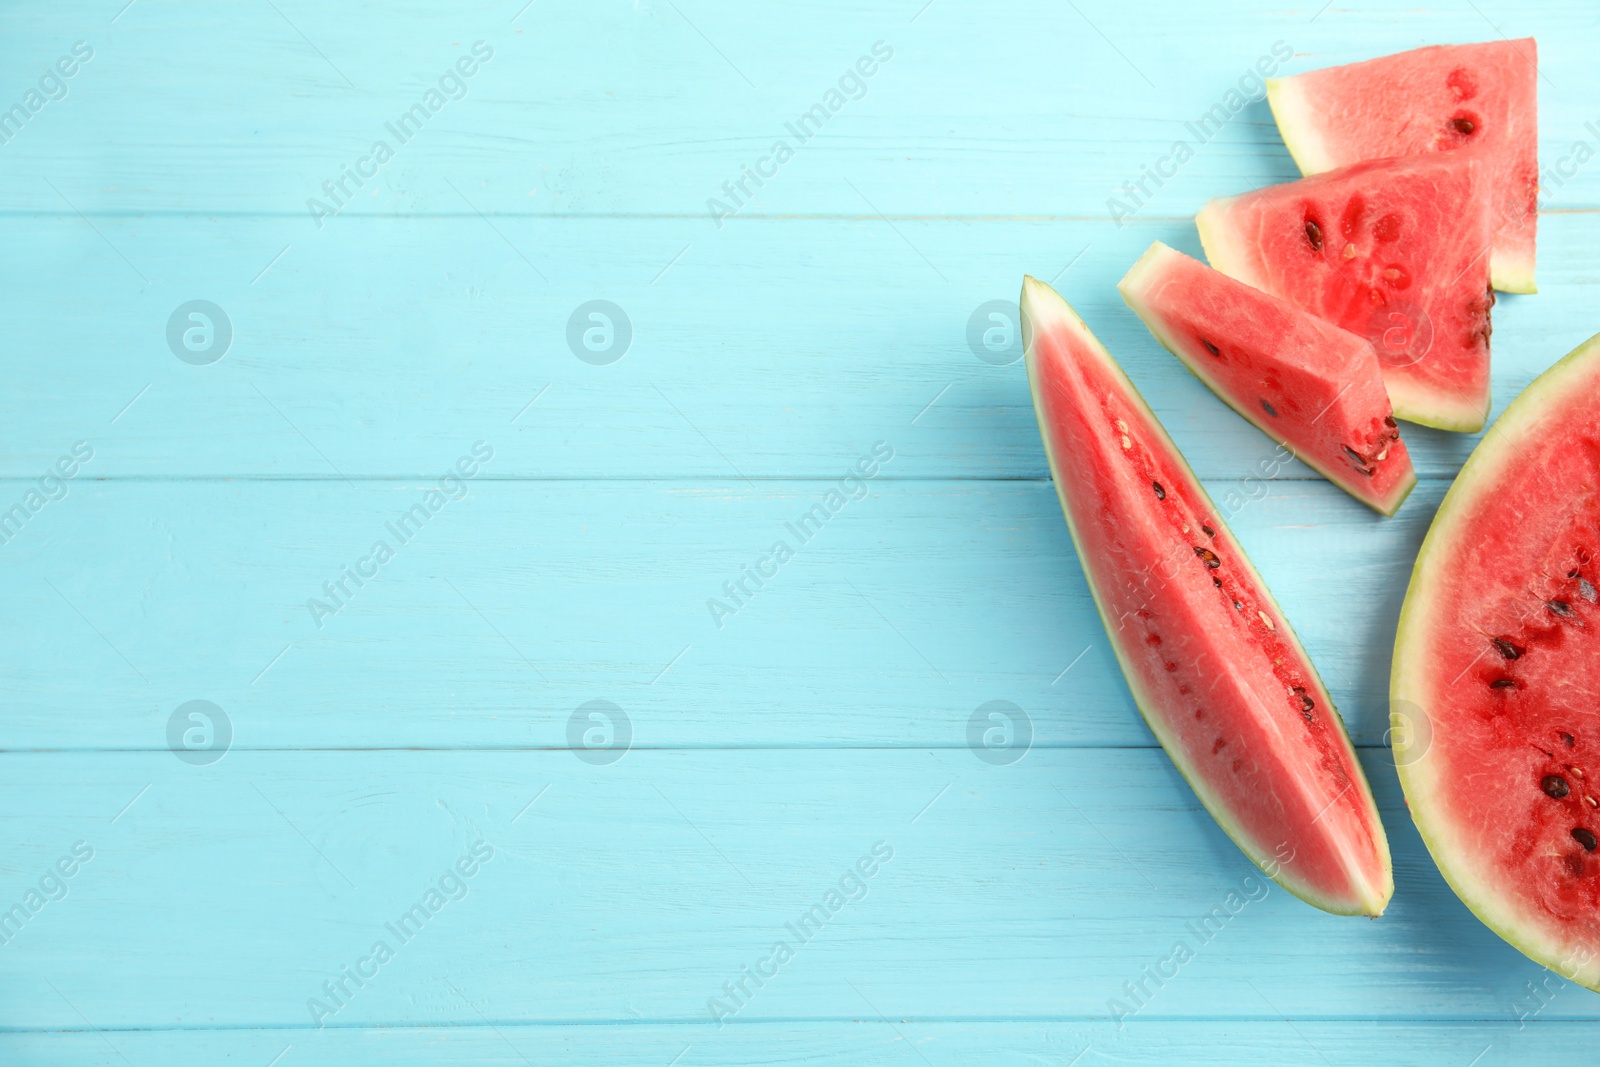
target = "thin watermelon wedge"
x: 1495, y: 687
x: 1394, y: 250
x: 1305, y: 383
x: 1211, y: 661
x: 1478, y: 97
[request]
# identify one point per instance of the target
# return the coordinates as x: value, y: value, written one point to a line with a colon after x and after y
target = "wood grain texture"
x: 365, y: 752
x: 867, y: 1041
x: 770, y: 349
x: 647, y: 108
x: 889, y: 627
x: 633, y: 891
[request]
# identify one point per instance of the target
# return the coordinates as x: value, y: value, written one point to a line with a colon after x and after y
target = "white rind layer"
x: 1297, y: 123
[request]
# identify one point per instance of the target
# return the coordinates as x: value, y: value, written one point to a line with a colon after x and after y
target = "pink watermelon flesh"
x: 1212, y: 663
x: 1310, y: 386
x: 1393, y: 250
x: 1478, y: 97
x: 1495, y: 691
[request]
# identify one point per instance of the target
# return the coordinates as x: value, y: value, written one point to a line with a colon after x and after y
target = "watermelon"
x: 1211, y: 661
x: 1394, y: 250
x: 1310, y: 386
x: 1481, y: 98
x: 1495, y: 689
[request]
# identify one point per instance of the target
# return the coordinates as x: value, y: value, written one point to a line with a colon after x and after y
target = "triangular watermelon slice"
x: 1482, y: 97
x: 1310, y: 386
x: 1394, y: 250
x: 1212, y: 663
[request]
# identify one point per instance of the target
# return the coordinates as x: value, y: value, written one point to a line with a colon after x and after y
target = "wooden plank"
x: 775, y: 349
x: 625, y: 108
x: 635, y: 890
x: 492, y: 623
x: 861, y: 1042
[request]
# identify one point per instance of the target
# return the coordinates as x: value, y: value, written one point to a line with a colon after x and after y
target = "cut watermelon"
x: 1481, y: 97
x: 1394, y: 250
x: 1212, y: 663
x: 1496, y: 681
x: 1310, y: 386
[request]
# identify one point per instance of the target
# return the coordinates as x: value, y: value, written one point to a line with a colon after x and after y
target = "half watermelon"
x: 1495, y: 691
x: 1212, y: 663
x: 1479, y: 97
x: 1310, y: 386
x: 1393, y: 250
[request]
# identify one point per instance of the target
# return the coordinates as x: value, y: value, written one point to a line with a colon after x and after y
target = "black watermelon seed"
x: 1210, y: 347
x: 1464, y: 126
x: 1573, y: 573
x: 1584, y: 838
x: 1559, y: 607
x: 1209, y: 531
x: 1554, y: 786
x: 1314, y: 235
x: 1216, y: 582
x: 1502, y: 683
x: 1362, y: 463
x: 1306, y: 703
x: 1567, y: 739
x: 1238, y: 606
x: 1388, y: 420
x: 1506, y: 648
x: 1587, y: 591
x: 1209, y: 556
x: 1161, y: 494
x: 1269, y: 408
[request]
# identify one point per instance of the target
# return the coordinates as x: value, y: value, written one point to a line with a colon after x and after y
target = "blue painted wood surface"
x: 383, y: 737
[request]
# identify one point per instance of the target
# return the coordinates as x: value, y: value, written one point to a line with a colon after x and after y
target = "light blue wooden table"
x: 400, y: 745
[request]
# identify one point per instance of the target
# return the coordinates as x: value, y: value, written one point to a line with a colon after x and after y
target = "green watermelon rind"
x: 1297, y: 123
x: 1488, y: 461
x: 1425, y: 409
x: 1218, y: 811
x: 1387, y: 508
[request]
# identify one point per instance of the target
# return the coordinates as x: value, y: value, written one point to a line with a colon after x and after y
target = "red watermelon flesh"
x: 1393, y: 250
x: 1479, y: 97
x: 1310, y: 386
x: 1495, y: 691
x: 1212, y: 663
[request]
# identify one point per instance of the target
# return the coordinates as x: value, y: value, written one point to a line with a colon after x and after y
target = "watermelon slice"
x: 1482, y: 97
x: 1394, y: 250
x: 1305, y: 383
x: 1212, y: 663
x: 1495, y: 691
